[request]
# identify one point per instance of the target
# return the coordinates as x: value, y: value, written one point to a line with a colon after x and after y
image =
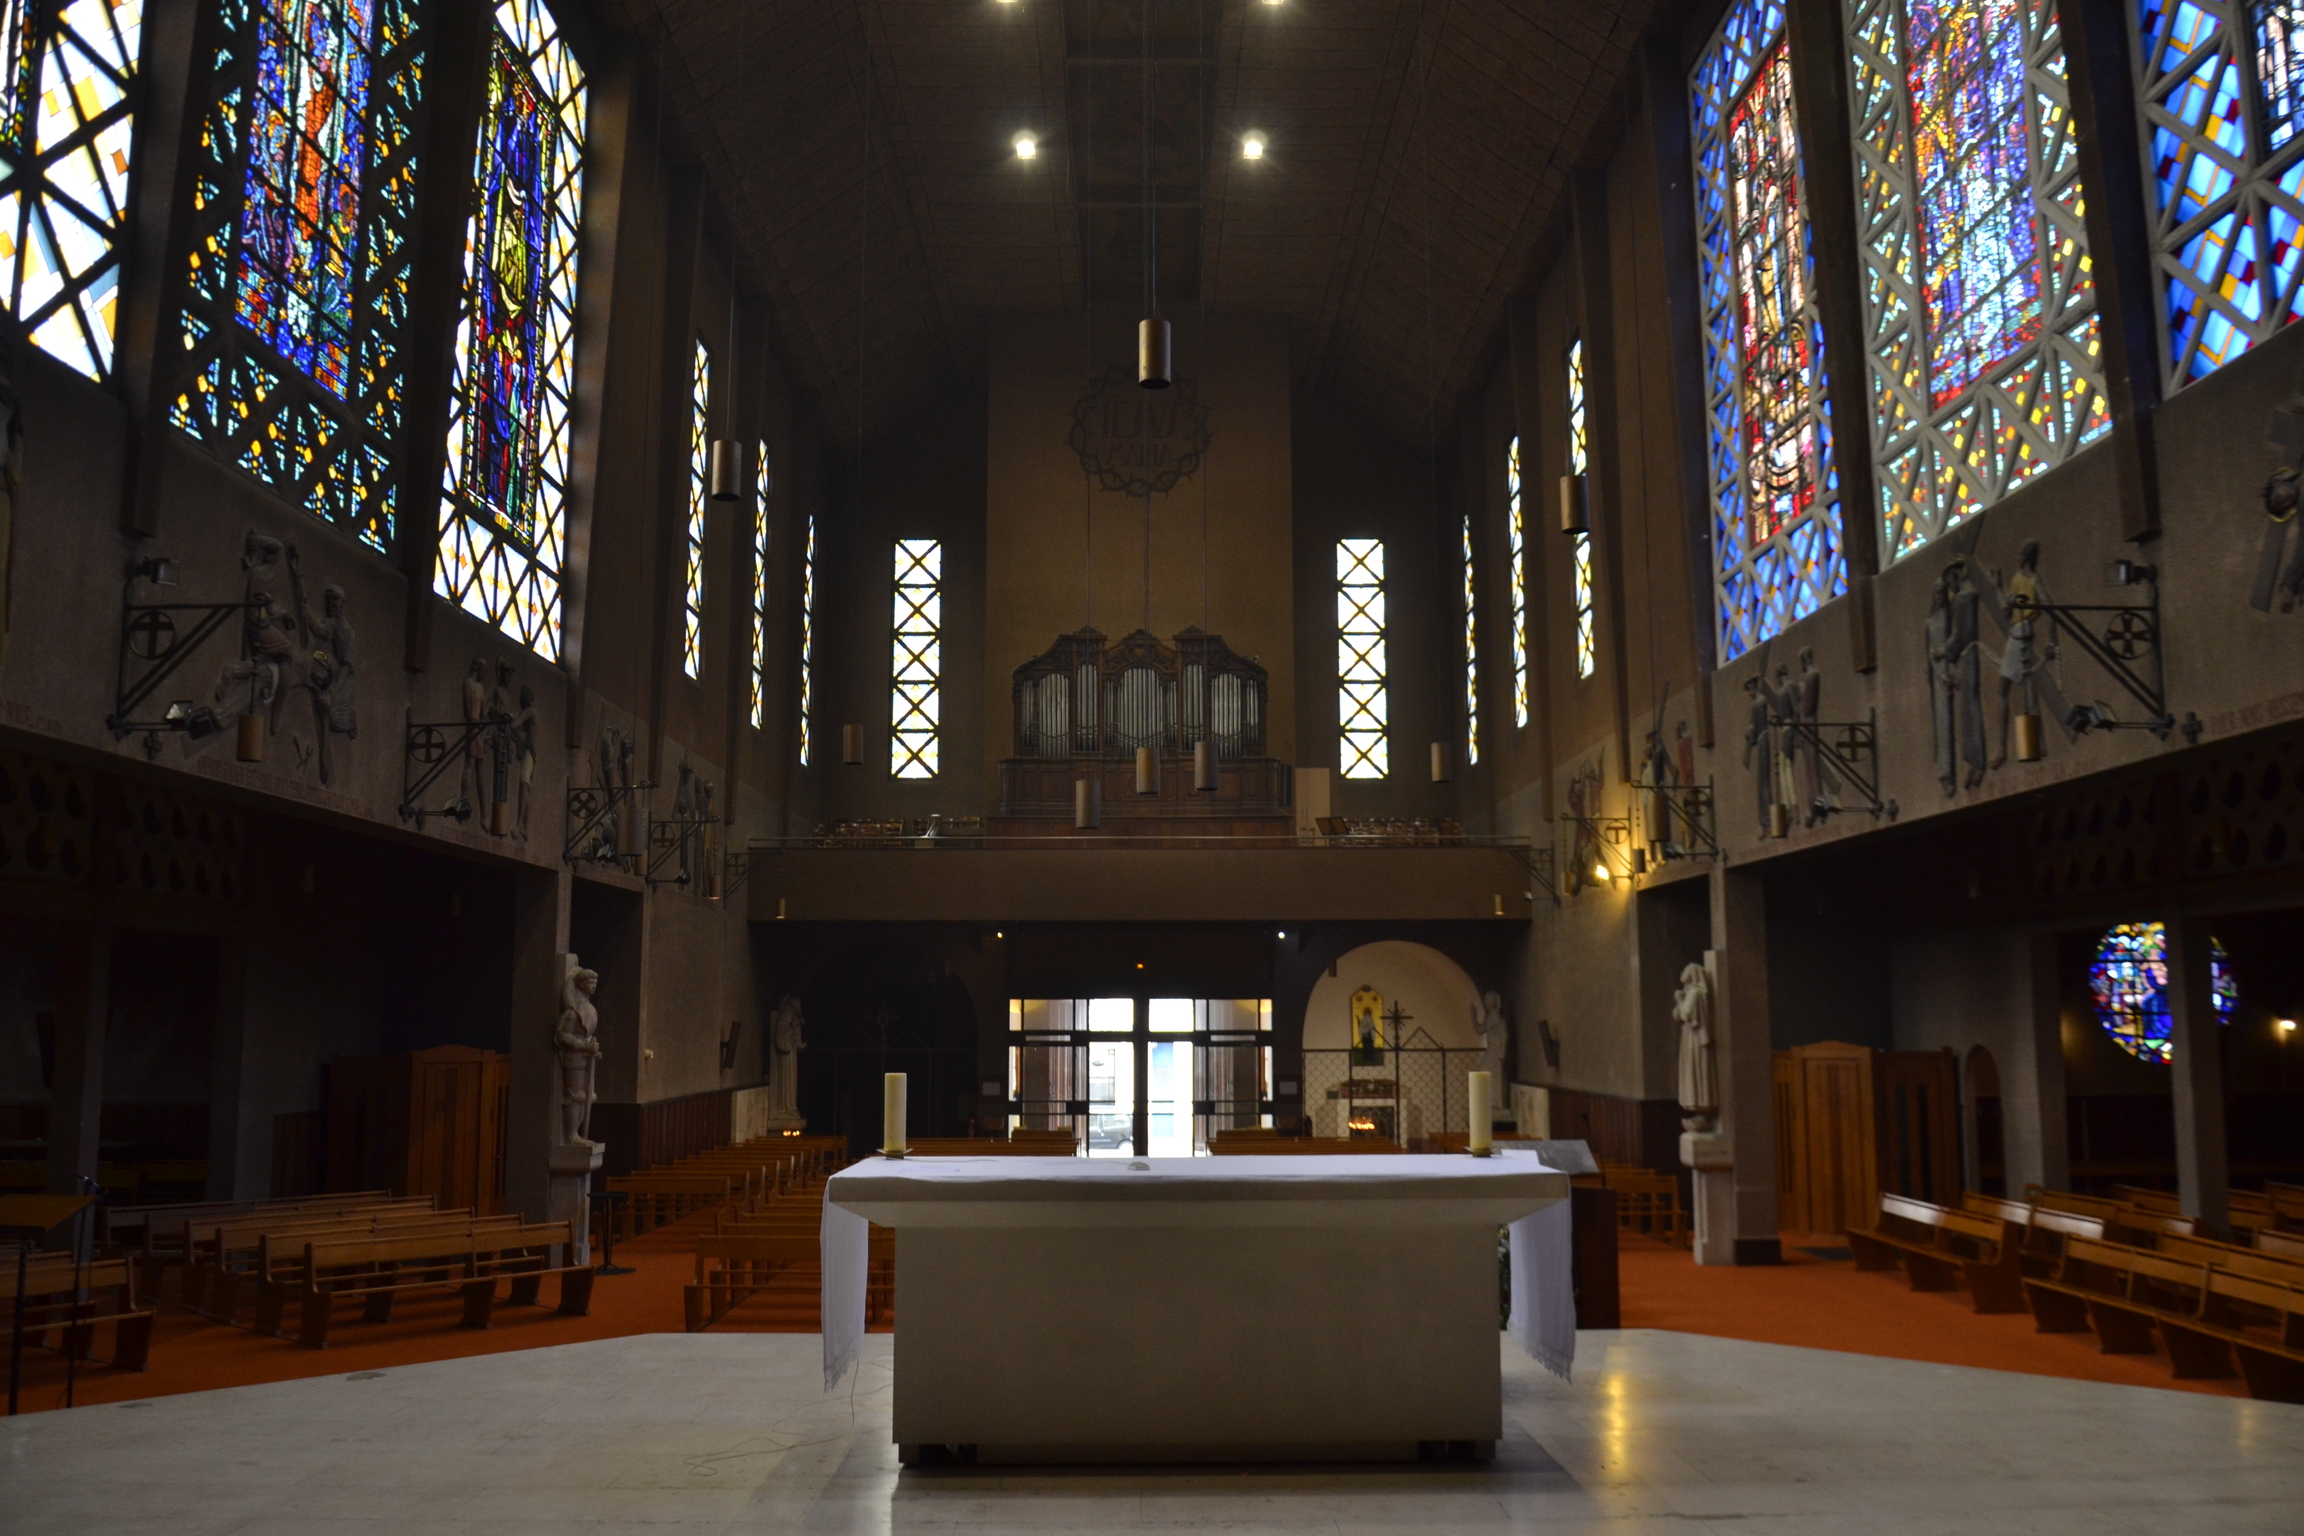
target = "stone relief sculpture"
x: 785, y: 1044
x: 328, y: 670
x: 1955, y: 679
x: 498, y: 736
x: 2027, y: 680
x: 1791, y: 744
x: 1823, y: 786
x: 611, y: 772
x: 2277, y: 579
x: 469, y: 788
x: 267, y: 651
x: 1495, y: 1037
x: 1761, y: 739
x: 576, y: 1040
x: 1699, y: 1073
x: 523, y: 735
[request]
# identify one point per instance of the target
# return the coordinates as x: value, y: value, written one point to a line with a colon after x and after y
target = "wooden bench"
x: 2129, y: 1295
x: 1937, y: 1245
x: 73, y: 1300
x: 2118, y: 1216
x: 733, y: 1267
x: 2041, y: 1247
x: 227, y: 1270
x: 278, y: 1274
x: 377, y: 1271
x: 2286, y: 1244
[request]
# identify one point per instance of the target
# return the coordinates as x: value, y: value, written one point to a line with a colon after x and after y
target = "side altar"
x: 1086, y: 706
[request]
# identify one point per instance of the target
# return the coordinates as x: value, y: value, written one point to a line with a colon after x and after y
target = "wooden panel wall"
x: 1642, y: 1132
x: 1852, y: 1121
x: 428, y: 1123
x: 646, y: 1135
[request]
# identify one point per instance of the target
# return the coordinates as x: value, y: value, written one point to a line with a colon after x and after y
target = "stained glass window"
x: 699, y: 500
x: 297, y: 287
x: 2221, y: 89
x: 1582, y: 551
x: 1360, y: 702
x: 1775, y: 494
x: 2128, y: 978
x: 1979, y: 306
x: 1519, y: 528
x: 807, y: 635
x: 760, y: 487
x: 918, y: 659
x: 503, y: 516
x: 65, y: 143
x: 1471, y: 656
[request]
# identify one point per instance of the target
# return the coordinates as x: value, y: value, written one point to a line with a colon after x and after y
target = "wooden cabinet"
x: 1851, y: 1122
x: 427, y: 1123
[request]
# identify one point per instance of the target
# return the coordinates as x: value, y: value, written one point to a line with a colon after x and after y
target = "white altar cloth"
x: 1370, y: 1263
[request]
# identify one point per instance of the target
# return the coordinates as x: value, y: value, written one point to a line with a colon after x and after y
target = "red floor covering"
x: 1813, y: 1301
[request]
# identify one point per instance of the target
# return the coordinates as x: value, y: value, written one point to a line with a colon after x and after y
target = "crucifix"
x: 1396, y: 1016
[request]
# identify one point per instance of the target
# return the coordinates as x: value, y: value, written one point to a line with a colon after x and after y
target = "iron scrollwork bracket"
x: 153, y: 646
x: 672, y: 842
x: 428, y: 752
x: 592, y: 810
x: 2130, y: 639
x: 1850, y: 753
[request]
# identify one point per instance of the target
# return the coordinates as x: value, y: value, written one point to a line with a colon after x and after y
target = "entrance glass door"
x: 1141, y: 1076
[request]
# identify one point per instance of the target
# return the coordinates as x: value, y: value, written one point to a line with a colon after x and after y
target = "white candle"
x: 1483, y: 1117
x: 892, y: 1113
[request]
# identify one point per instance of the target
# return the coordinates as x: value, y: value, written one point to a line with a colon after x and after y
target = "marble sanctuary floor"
x: 729, y: 1433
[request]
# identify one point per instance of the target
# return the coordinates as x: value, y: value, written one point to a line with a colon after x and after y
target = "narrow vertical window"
x: 1360, y: 702
x: 1583, y: 541
x: 2227, y: 162
x: 1980, y: 312
x: 296, y: 294
x: 699, y: 501
x: 918, y: 659
x: 761, y: 482
x: 1519, y: 529
x: 807, y: 636
x: 503, y: 514
x: 65, y: 143
x: 1776, y: 554
x: 1471, y: 656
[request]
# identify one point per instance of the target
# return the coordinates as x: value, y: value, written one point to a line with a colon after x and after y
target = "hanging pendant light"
x: 1204, y: 766
x: 1152, y: 353
x: 725, y: 472
x: 1440, y: 763
x: 2027, y: 733
x: 852, y: 746
x: 1147, y: 771
x: 1087, y: 805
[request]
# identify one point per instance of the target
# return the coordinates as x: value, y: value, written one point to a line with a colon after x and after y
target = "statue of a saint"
x: 784, y: 1040
x: 1495, y: 1039
x: 577, y: 1041
x: 1699, y: 1075
x: 1367, y: 1026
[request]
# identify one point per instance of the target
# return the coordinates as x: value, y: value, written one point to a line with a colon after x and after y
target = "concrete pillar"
x: 234, y: 1169
x: 540, y: 900
x: 2034, y: 1143
x: 2203, y: 1170
x: 76, y: 1100
x: 1747, y: 1057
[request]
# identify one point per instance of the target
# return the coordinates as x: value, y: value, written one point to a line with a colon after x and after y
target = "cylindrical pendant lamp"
x: 1152, y: 353
x: 1087, y: 805
x: 2026, y: 729
x: 852, y: 746
x: 1575, y: 516
x: 1779, y: 820
x: 251, y: 738
x: 1204, y: 766
x: 1147, y: 771
x: 1440, y: 766
x: 726, y: 473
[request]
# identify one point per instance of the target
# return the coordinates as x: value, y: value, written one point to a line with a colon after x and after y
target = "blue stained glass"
x: 509, y: 238
x: 2280, y: 69
x: 300, y: 221
x: 2128, y: 981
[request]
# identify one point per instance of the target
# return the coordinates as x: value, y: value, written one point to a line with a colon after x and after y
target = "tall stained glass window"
x: 65, y: 142
x: 1360, y: 702
x: 1582, y: 562
x: 1980, y: 312
x: 1471, y: 655
x: 807, y: 636
x: 1776, y: 551
x: 503, y: 514
x: 913, y: 702
x: 297, y: 287
x: 2128, y: 980
x: 699, y: 501
x: 1519, y: 526
x: 2221, y: 90
x: 760, y: 486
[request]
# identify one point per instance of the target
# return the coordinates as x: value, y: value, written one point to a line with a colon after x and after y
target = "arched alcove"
x: 1432, y: 990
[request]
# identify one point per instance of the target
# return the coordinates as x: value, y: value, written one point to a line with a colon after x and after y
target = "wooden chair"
x: 1937, y: 1245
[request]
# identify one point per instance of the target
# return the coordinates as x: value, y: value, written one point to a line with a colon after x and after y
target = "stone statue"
x: 499, y: 738
x: 523, y: 731
x: 785, y: 1041
x: 328, y: 674
x: 577, y: 1042
x: 1699, y: 1074
x: 468, y: 786
x: 266, y: 649
x: 1495, y: 1039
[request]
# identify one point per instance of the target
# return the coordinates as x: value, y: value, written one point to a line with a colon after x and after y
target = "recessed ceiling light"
x: 1252, y: 146
x: 1026, y: 146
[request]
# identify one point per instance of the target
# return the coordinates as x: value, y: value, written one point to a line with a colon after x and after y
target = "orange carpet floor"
x: 1822, y: 1301
x: 1812, y: 1300
x: 191, y: 1354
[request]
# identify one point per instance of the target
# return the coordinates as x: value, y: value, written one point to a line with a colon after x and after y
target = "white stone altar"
x: 1266, y: 1308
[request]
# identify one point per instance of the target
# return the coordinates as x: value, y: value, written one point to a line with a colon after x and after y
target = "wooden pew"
x: 278, y: 1274
x: 2118, y: 1216
x: 2041, y: 1247
x: 49, y: 1300
x: 2287, y: 1244
x: 376, y: 1271
x: 1936, y: 1244
x: 223, y: 1273
x: 2129, y: 1295
x: 733, y: 1267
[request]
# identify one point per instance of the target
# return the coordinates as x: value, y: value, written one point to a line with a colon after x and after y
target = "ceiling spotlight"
x: 1027, y: 146
x: 1252, y: 147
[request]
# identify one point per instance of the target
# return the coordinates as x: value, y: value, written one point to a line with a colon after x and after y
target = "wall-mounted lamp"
x: 197, y: 721
x: 1087, y: 805
x: 159, y: 570
x: 1027, y: 146
x: 2129, y: 573
x: 2025, y: 731
x: 1252, y: 146
x: 2286, y: 1027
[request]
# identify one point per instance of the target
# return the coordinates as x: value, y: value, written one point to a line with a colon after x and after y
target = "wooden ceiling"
x: 1419, y: 158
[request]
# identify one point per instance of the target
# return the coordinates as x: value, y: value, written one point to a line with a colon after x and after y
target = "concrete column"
x: 539, y: 937
x: 236, y: 1165
x: 2203, y: 1170
x: 76, y: 1100
x: 2034, y: 1143
x: 1747, y: 1060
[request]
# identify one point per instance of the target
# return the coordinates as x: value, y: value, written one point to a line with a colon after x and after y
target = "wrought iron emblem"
x: 1134, y: 441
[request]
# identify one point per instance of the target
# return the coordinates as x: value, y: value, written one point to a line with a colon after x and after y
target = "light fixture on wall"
x: 1027, y: 146
x: 1441, y: 768
x: 1779, y: 820
x: 851, y: 746
x: 1204, y: 766
x: 1252, y: 146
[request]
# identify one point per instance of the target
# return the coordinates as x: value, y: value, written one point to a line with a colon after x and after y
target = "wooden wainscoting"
x: 666, y: 1130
